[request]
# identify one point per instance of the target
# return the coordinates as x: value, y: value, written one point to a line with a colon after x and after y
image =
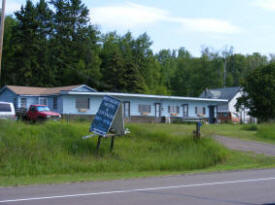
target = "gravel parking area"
x: 243, y: 145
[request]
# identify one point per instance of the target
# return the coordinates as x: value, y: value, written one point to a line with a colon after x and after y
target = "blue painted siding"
x: 7, y: 96
x: 30, y: 100
x: 69, y: 106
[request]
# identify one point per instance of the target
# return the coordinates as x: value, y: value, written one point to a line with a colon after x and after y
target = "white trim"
x: 146, y: 96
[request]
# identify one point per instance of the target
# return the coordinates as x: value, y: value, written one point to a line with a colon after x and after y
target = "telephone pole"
x: 2, y: 33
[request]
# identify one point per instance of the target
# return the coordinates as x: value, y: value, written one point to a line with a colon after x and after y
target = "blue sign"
x: 199, y: 123
x: 105, y: 116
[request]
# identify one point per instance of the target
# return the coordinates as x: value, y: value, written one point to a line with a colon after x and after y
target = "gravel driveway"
x: 244, y: 145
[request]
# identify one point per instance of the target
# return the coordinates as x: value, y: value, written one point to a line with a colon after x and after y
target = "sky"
x: 247, y: 25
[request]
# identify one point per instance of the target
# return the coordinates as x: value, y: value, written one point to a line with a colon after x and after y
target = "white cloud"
x: 265, y: 4
x: 209, y: 25
x: 12, y: 6
x: 131, y: 15
x: 127, y: 16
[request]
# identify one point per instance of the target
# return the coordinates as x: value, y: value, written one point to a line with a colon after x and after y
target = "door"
x: 32, y: 113
x: 126, y: 109
x: 185, y: 110
x: 157, y: 110
x: 211, y: 114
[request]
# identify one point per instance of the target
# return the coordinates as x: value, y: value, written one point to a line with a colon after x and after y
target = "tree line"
x: 54, y: 43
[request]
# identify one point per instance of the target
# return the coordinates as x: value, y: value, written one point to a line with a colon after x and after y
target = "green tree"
x: 75, y: 53
x: 113, y: 64
x: 168, y: 65
x: 30, y: 41
x: 8, y: 73
x: 259, y: 88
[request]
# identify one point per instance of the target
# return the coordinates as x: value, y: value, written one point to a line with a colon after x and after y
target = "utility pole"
x: 2, y: 32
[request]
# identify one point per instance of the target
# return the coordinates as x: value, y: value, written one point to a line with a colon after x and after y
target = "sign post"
x: 197, y: 132
x: 109, y: 117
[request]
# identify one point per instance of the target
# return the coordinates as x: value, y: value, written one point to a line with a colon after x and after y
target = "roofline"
x: 51, y: 94
x: 84, y: 85
x: 6, y: 87
x: 144, y: 96
x: 215, y: 89
x: 42, y: 95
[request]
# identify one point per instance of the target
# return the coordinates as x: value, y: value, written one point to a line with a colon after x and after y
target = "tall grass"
x: 266, y: 131
x: 58, y: 148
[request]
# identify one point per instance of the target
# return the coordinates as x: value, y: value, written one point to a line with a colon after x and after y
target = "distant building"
x: 83, y: 101
x: 227, y: 111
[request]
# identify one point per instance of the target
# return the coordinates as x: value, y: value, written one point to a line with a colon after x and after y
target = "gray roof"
x: 220, y: 93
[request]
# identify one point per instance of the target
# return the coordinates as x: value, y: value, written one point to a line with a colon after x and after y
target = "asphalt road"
x: 245, y: 145
x: 241, y: 187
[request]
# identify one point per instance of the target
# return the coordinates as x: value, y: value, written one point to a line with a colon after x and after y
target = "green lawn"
x: 260, y: 132
x: 54, y: 152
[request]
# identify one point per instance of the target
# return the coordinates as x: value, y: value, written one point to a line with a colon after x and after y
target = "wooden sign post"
x: 109, y: 117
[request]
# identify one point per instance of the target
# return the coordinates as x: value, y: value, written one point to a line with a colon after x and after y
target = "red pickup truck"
x: 41, y: 113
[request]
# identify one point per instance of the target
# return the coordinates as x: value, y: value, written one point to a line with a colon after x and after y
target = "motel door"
x: 157, y: 110
x: 126, y: 106
x: 211, y: 114
x: 185, y: 110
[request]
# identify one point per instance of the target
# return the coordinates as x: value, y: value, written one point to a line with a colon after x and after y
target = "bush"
x: 266, y: 131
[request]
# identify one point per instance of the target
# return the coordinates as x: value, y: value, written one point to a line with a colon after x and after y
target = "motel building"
x: 82, y: 101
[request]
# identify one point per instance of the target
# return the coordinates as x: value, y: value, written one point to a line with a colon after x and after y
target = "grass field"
x: 55, y: 152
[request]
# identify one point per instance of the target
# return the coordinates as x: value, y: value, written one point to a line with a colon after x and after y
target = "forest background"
x: 55, y: 43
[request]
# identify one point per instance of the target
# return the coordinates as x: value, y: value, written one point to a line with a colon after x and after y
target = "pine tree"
x: 74, y: 44
x: 31, y: 44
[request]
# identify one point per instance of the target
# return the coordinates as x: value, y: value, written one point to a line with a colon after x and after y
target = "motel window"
x: 143, y: 109
x: 82, y: 103
x: 173, y: 109
x: 43, y: 101
x: 23, y: 103
x: 55, y: 103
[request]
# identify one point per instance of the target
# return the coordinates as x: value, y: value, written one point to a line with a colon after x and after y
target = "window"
x: 185, y: 110
x: 55, y: 103
x: 203, y: 110
x: 5, y: 107
x: 42, y: 108
x: 43, y: 101
x: 33, y: 108
x: 82, y: 103
x: 144, y: 109
x: 173, y: 109
x: 23, y: 103
x: 196, y: 110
